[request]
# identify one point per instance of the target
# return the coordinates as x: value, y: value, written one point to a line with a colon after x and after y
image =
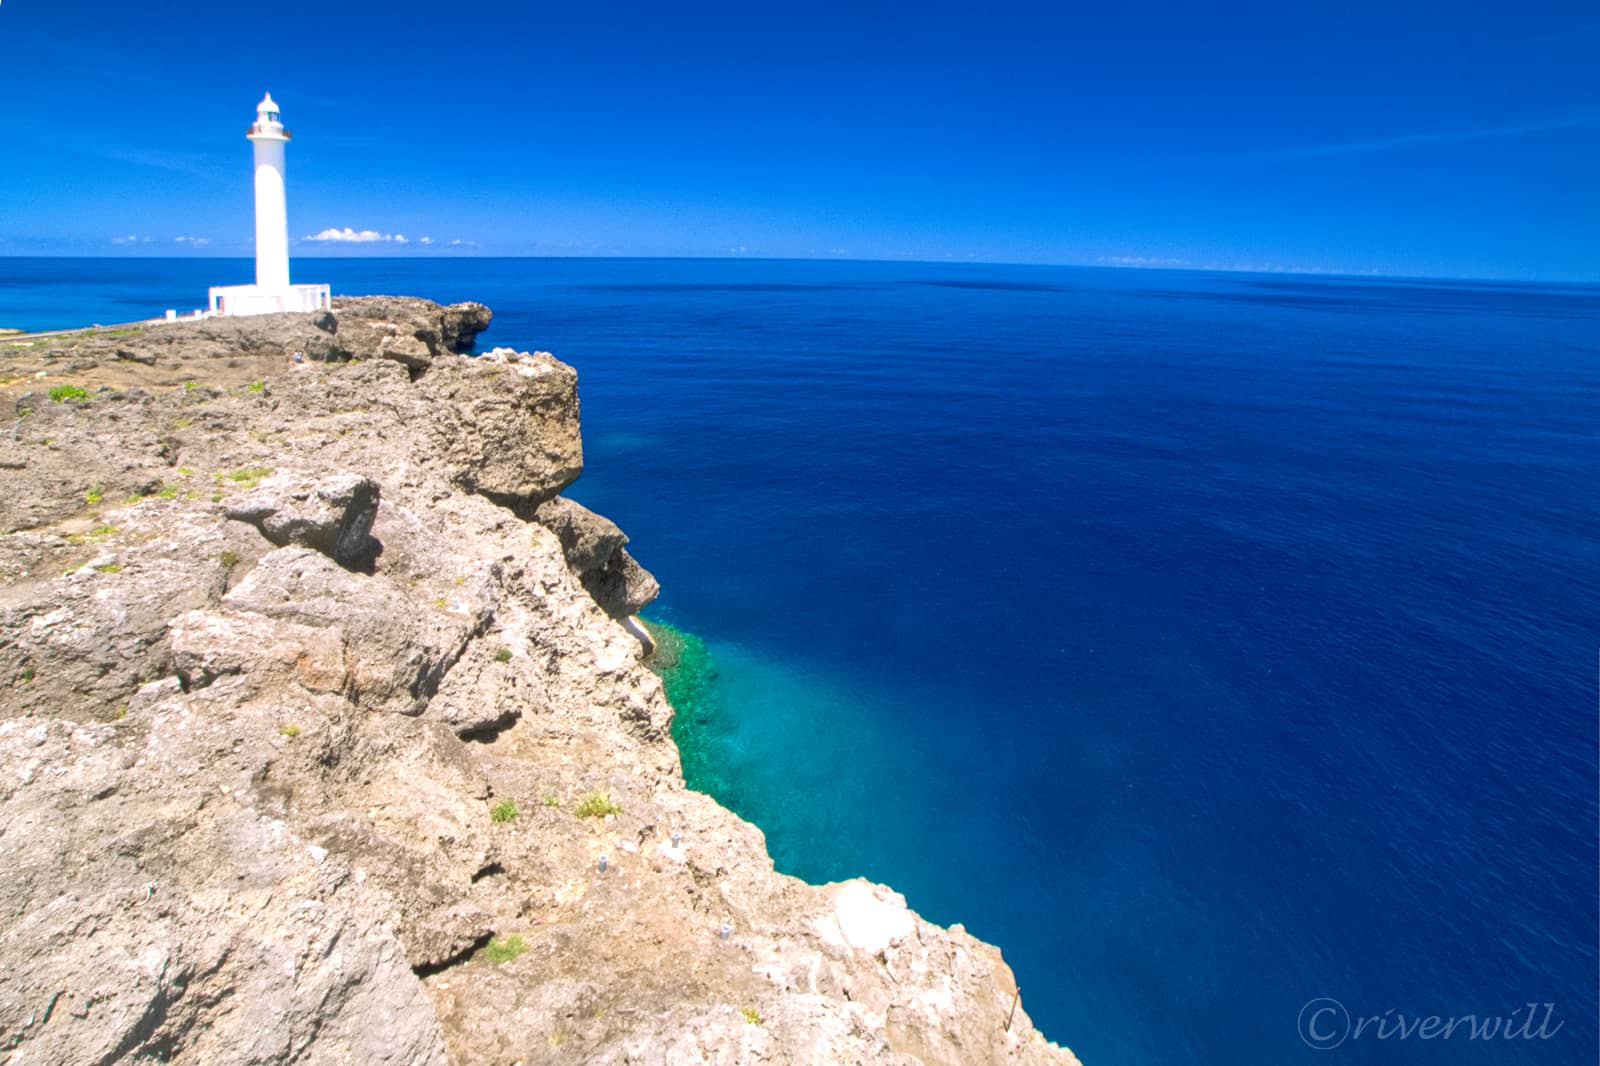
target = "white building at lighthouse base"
x: 260, y: 300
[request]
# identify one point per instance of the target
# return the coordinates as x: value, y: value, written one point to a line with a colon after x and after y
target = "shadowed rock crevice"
x: 429, y: 969
x: 489, y: 732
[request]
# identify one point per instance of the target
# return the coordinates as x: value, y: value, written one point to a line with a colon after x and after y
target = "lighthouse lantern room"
x: 272, y: 291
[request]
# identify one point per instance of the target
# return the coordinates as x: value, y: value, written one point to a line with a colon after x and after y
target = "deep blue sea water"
x: 1210, y: 642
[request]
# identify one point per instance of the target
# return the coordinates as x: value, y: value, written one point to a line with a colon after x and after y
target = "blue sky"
x: 1381, y: 140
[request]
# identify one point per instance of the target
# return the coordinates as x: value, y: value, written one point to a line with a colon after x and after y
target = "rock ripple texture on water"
x: 279, y: 634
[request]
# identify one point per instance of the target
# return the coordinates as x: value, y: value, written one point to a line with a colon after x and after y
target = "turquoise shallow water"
x: 1211, y: 643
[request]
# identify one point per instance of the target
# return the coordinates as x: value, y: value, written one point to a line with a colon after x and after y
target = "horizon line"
x: 1151, y: 267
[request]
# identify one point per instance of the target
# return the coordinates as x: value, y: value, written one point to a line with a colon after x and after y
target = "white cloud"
x: 354, y: 236
x: 130, y: 239
x: 427, y: 240
x: 193, y: 242
x: 459, y: 243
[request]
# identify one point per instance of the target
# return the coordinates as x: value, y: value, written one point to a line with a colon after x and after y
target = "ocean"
x: 1215, y: 644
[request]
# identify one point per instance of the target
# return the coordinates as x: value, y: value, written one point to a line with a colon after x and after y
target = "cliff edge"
x: 326, y: 737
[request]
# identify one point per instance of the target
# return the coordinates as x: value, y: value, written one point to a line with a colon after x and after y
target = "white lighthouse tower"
x: 272, y: 210
x: 272, y: 291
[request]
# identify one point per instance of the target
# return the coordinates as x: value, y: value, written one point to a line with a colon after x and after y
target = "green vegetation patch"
x: 98, y: 533
x: 504, y: 948
x: 248, y: 476
x: 503, y: 812
x: 63, y: 393
x: 596, y: 805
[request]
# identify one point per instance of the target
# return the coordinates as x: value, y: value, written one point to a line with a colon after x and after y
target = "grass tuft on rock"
x: 503, y: 812
x: 596, y: 805
x: 249, y: 476
x: 98, y: 533
x: 504, y: 948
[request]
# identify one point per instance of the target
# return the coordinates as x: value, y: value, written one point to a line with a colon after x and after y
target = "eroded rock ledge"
x: 307, y: 673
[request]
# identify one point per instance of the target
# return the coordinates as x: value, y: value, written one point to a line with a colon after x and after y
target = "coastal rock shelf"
x: 328, y: 736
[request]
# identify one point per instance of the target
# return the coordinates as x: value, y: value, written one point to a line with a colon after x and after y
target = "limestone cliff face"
x: 324, y: 738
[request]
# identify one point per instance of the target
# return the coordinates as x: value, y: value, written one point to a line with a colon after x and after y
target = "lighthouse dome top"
x: 267, y: 126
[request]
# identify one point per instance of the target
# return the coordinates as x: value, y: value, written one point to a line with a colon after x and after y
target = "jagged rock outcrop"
x: 317, y: 718
x: 231, y: 351
x: 588, y: 540
x: 506, y: 427
x: 593, y: 548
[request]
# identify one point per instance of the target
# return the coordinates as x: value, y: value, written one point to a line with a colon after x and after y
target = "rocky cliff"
x: 327, y: 737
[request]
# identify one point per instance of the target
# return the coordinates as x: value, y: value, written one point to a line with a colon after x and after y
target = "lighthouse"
x: 272, y: 291
x: 272, y: 210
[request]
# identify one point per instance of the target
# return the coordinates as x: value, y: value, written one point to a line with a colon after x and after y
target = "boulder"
x: 332, y: 515
x: 508, y: 431
x: 395, y: 655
